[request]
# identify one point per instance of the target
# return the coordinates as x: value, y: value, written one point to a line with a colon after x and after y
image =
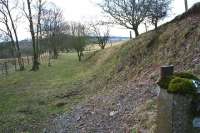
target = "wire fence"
x: 8, y: 66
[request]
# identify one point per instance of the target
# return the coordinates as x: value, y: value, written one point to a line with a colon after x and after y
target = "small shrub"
x: 186, y: 76
x: 164, y: 82
x: 181, y: 86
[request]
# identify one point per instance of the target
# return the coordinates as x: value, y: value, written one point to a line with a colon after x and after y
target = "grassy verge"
x: 28, y: 99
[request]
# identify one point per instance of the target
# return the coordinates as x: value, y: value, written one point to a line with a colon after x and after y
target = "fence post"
x: 166, y: 71
x: 15, y: 63
x: 23, y: 61
x: 28, y: 60
x: 40, y: 60
x: 6, y: 68
x: 2, y: 65
x: 32, y: 59
x: 45, y: 59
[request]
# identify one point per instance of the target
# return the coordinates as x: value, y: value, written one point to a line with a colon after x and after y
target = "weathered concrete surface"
x: 181, y: 114
x: 164, y: 119
x: 175, y: 114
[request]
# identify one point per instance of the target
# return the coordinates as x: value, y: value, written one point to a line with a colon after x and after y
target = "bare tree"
x: 46, y: 27
x: 101, y: 35
x: 79, y: 36
x: 39, y: 8
x: 29, y: 15
x: 34, y: 18
x: 11, y: 29
x: 53, y: 27
x: 158, y: 11
x: 128, y: 13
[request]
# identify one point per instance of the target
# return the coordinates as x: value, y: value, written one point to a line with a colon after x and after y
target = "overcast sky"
x: 86, y: 10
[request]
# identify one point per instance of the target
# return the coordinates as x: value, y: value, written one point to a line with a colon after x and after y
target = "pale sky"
x: 86, y: 10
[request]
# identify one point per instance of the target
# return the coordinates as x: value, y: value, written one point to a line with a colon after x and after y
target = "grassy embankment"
x: 28, y: 99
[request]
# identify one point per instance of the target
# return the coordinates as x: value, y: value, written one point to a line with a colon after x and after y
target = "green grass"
x: 29, y: 99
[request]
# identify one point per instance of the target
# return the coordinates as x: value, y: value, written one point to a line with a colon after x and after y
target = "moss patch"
x: 164, y: 82
x: 178, y: 83
x: 186, y: 75
x: 181, y: 85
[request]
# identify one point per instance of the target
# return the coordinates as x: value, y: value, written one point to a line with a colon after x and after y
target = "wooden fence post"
x: 28, y: 60
x: 6, y: 67
x: 46, y: 57
x: 23, y: 61
x: 32, y: 59
x: 41, y: 61
x: 15, y: 63
x: 2, y: 68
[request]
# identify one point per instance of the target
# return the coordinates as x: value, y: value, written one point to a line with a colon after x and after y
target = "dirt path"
x: 124, y: 109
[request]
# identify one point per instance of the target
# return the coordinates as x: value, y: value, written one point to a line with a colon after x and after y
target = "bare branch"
x: 128, y: 13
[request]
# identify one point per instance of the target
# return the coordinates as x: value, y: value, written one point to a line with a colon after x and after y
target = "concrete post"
x: 166, y: 71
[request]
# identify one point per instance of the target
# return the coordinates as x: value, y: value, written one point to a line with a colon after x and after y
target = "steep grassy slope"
x: 175, y: 43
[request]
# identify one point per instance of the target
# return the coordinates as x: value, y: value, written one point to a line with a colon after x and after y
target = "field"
x: 28, y: 100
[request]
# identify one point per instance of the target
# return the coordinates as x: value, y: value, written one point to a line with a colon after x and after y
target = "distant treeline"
x: 6, y: 49
x: 26, y: 45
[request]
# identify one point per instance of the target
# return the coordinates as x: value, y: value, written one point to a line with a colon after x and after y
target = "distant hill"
x: 5, y: 52
x: 118, y: 39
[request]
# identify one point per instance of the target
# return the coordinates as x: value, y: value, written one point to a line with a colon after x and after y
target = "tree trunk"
x: 35, y: 66
x: 136, y: 32
x: 156, y: 25
x: 102, y: 46
x: 38, y: 35
x: 80, y: 54
x: 21, y: 65
x: 131, y: 35
x: 79, y: 58
x: 55, y: 53
x: 12, y: 45
x: 49, y: 59
x: 36, y: 63
x: 12, y: 51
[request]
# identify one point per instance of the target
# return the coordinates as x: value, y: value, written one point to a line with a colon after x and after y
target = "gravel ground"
x: 124, y: 109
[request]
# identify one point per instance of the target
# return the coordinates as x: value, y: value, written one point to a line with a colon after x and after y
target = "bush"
x: 181, y: 86
x: 186, y: 75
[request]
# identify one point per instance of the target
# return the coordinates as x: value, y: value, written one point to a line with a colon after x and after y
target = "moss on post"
x: 181, y: 86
